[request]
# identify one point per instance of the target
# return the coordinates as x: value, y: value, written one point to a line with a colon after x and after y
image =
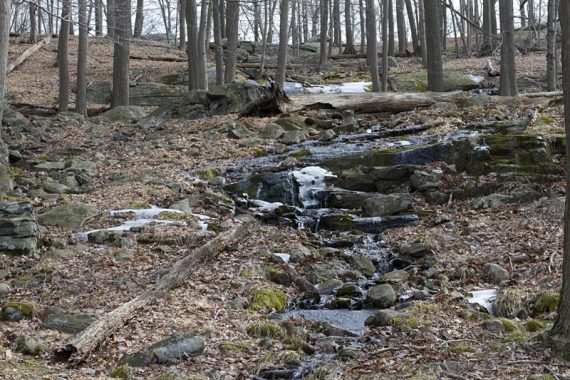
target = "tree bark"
x: 192, y: 45
x: 86, y: 341
x: 508, y: 81
x: 385, y: 43
x: 111, y: 18
x: 372, y: 44
x: 98, y: 17
x: 337, y: 29
x: 283, y: 37
x: 4, y: 38
x: 391, y: 31
x: 62, y: 58
x: 487, y: 47
x: 551, y: 72
x: 33, y: 25
x: 81, y: 89
x: 219, y: 52
x: 433, y: 46
x: 422, y: 32
x: 232, y: 25
x: 139, y: 19
x: 223, y: 18
x: 413, y: 29
x: 349, y: 48
x: 560, y: 334
x: 182, y: 24
x: 202, y: 59
x: 362, y: 25
x: 401, y: 26
x: 121, y: 48
x: 324, y: 30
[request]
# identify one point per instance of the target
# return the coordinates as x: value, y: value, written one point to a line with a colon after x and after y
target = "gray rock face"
x: 124, y: 113
x: 30, y: 345
x: 237, y: 130
x: 382, y: 205
x: 426, y: 180
x: 495, y: 274
x: 293, y: 137
x: 382, y: 295
x: 5, y: 179
x: 363, y: 264
x: 58, y: 319
x: 383, y: 318
x: 71, y: 215
x: 494, y: 325
x: 169, y: 351
x: 18, y: 228
x: 272, y: 131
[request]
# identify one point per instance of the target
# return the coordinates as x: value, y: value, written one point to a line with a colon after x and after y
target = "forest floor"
x: 440, y: 337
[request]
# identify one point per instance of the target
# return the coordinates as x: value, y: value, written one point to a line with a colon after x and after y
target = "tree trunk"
x: 111, y: 18
x: 283, y: 37
x: 494, y: 29
x: 62, y: 58
x: 33, y: 26
x: 81, y: 89
x: 324, y: 29
x: 443, y: 17
x: 337, y: 30
x: 487, y: 47
x: 560, y: 334
x: 182, y: 24
x: 202, y: 59
x: 385, y: 37
x: 362, y: 25
x: 372, y: 44
x: 349, y: 49
x: 270, y: 28
x: 98, y: 17
x: 523, y: 13
x: 508, y: 82
x: 551, y: 74
x: 4, y: 38
x: 232, y: 25
x: 531, y: 18
x: 391, y: 29
x: 139, y: 19
x: 305, y: 18
x: 413, y: 29
x: 401, y: 26
x: 219, y: 52
x: 223, y: 18
x: 192, y: 46
x: 294, y: 28
x: 86, y: 341
x: 121, y: 49
x: 422, y: 32
x: 433, y: 46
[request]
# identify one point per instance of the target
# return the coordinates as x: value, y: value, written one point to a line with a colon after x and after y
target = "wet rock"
x: 237, y: 130
x: 426, y: 180
x: 495, y: 274
x: 60, y: 165
x: 58, y: 319
x: 383, y: 318
x: 124, y: 113
x: 363, y: 264
x: 319, y: 272
x: 330, y: 330
x: 291, y: 122
x: 299, y: 252
x: 293, y: 137
x: 394, y: 277
x: 30, y: 345
x: 416, y: 249
x: 382, y: 295
x: 19, y: 230
x: 382, y: 205
x: 345, y: 198
x: 54, y: 187
x: 329, y: 286
x: 272, y: 131
x: 494, y: 325
x: 327, y: 135
x: 349, y: 290
x: 71, y: 215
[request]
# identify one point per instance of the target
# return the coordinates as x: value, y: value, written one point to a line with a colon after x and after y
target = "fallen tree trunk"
x: 158, y: 59
x: 300, y: 281
x: 290, y: 66
x: 86, y: 341
x: 26, y: 54
x: 376, y: 102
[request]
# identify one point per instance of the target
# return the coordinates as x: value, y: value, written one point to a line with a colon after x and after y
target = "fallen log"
x: 254, y: 65
x: 300, y: 281
x: 158, y: 59
x: 26, y: 54
x: 86, y: 341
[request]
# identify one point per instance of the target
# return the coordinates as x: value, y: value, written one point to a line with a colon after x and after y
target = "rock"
x: 71, y: 215
x: 237, y: 130
x: 348, y: 353
x: 58, y: 319
x: 82, y: 166
x: 349, y: 290
x: 363, y: 264
x: 298, y: 253
x: 327, y: 135
x: 14, y: 119
x: 124, y: 114
x: 16, y: 311
x: 444, y: 106
x: 6, y: 184
x: 279, y: 277
x: 54, y: 187
x: 508, y: 303
x: 464, y: 273
x: 494, y: 325
x: 382, y: 205
x: 51, y: 165
x: 292, y: 122
x: 272, y: 131
x: 329, y: 286
x: 426, y: 180
x: 495, y: 274
x: 18, y: 228
x: 5, y: 288
x: 416, y: 250
x: 394, y: 277
x: 383, y: 318
x: 184, y: 205
x: 320, y: 272
x: 491, y: 201
x: 169, y: 351
x: 138, y: 359
x: 30, y: 345
x: 382, y: 295
x: 293, y: 137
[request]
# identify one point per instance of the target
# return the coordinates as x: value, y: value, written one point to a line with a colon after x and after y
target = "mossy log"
x: 82, y: 344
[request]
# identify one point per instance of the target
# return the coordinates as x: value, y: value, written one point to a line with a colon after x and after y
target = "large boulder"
x: 389, y: 204
x: 382, y: 295
x: 71, y: 215
x: 124, y: 113
x: 18, y: 228
x: 58, y: 319
x: 168, y: 351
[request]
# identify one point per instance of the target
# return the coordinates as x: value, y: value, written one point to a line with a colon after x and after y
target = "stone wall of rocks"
x: 18, y: 228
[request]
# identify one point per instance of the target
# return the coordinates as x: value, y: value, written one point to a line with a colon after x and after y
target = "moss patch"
x: 268, y: 300
x: 546, y: 302
x: 534, y: 325
x: 28, y: 310
x: 265, y: 330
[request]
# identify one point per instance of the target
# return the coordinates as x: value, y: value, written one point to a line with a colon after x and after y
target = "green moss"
x: 534, y: 325
x: 321, y: 373
x: 508, y: 303
x: 140, y: 206
x: 542, y: 376
x: 259, y: 151
x: 544, y: 119
x: 28, y: 310
x: 171, y: 215
x: 265, y: 330
x: 246, y: 272
x: 508, y: 325
x: 301, y: 153
x: 405, y: 323
x: 546, y: 302
x: 235, y: 347
x: 207, y: 174
x: 461, y: 348
x: 123, y: 372
x: 268, y: 300
x: 515, y: 336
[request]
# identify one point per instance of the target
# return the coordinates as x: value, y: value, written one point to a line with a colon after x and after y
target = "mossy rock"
x: 15, y: 311
x: 268, y: 300
x: 534, y: 325
x: 508, y: 304
x: 291, y: 122
x: 207, y: 174
x: 417, y: 81
x: 235, y: 348
x: 122, y: 372
x: 278, y: 276
x: 546, y: 302
x: 265, y: 330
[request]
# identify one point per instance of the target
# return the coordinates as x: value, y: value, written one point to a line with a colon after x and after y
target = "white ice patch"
x: 284, y: 256
x: 475, y: 78
x: 484, y: 298
x: 265, y: 206
x: 144, y: 213
x: 342, y: 88
x: 311, y: 180
x: 400, y: 143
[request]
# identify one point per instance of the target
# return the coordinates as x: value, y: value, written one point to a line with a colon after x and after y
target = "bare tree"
x: 4, y: 34
x: 385, y: 43
x: 219, y: 53
x: 324, y: 30
x: 139, y: 19
x: 192, y: 45
x: 202, y: 59
x: 33, y: 28
x: 391, y: 36
x: 422, y: 31
x: 182, y: 24
x: 349, y: 48
x: 551, y: 54
x: 111, y: 18
x: 372, y: 46
x: 433, y: 45
x: 413, y: 29
x: 121, y: 49
x: 98, y: 18
x: 81, y: 89
x: 283, y: 37
x: 62, y: 57
x: 232, y: 25
x: 508, y: 82
x: 401, y: 26
x: 362, y: 25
